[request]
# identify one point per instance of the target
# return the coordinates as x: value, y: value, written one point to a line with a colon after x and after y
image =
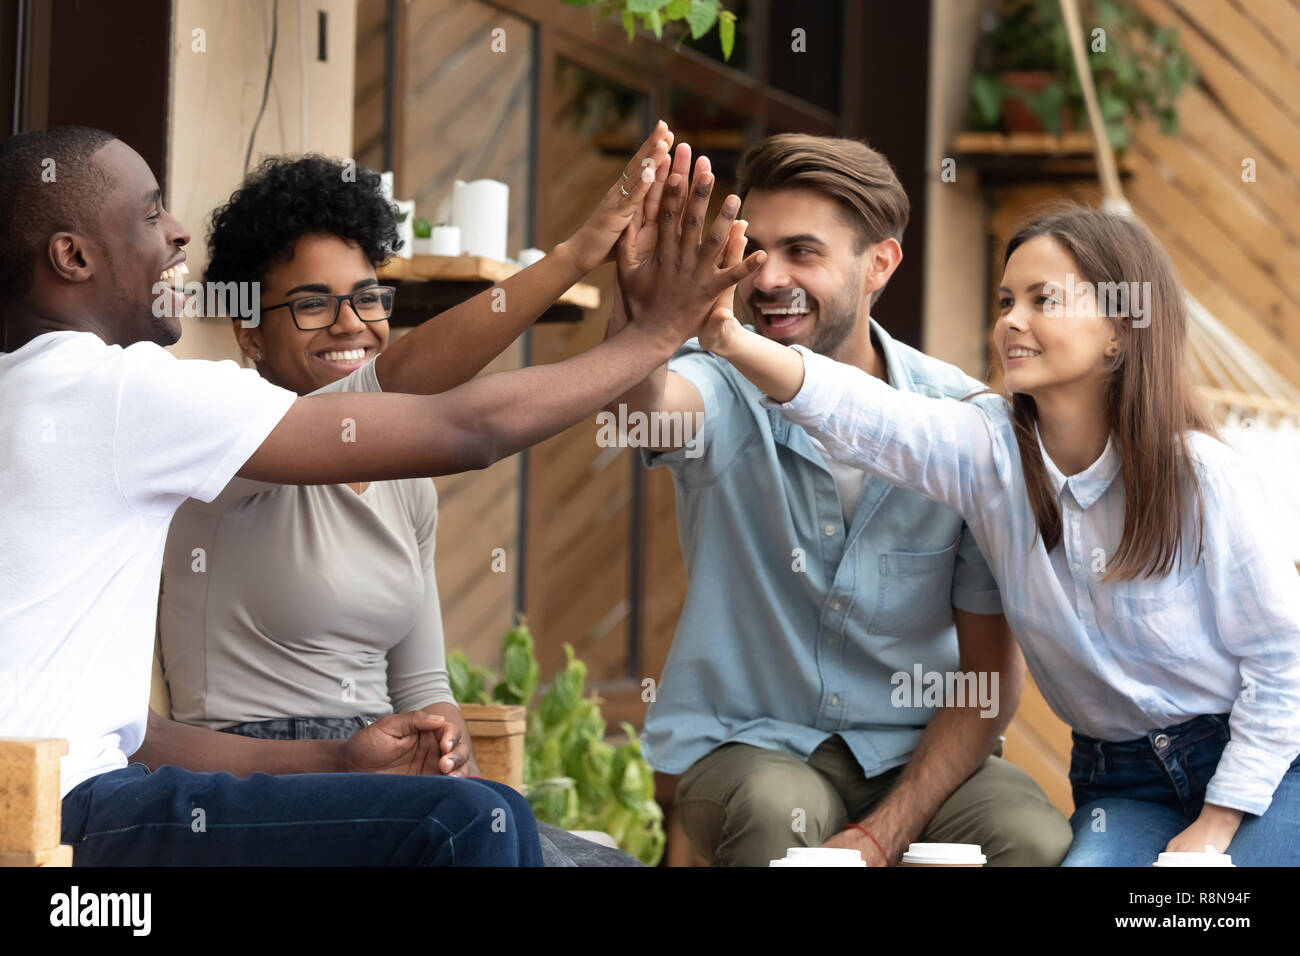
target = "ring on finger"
x: 625, y: 175
x: 624, y: 192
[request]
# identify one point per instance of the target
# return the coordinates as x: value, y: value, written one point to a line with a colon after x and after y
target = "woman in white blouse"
x: 1157, y: 611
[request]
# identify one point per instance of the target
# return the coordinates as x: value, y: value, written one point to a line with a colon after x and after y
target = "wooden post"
x: 30, y: 805
x: 497, y: 733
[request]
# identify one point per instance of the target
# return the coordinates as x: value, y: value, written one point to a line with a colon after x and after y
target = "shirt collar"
x: 895, y: 367
x: 1088, y: 485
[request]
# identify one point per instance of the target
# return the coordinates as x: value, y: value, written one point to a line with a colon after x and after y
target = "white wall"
x: 214, y: 99
x: 956, y: 295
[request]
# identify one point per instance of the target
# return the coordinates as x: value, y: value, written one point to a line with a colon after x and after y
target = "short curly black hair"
x: 287, y: 197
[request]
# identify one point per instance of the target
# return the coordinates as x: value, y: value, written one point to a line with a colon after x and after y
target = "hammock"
x: 1257, y: 409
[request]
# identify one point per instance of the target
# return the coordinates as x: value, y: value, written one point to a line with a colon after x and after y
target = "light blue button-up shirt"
x: 794, y: 626
x: 1114, y: 659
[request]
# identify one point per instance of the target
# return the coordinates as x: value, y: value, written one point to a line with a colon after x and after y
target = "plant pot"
x: 497, y: 736
x: 1017, y: 117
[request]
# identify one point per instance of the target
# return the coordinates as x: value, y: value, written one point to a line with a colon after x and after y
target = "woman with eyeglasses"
x: 308, y: 612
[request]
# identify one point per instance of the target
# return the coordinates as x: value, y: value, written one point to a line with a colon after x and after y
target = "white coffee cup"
x: 944, y: 854
x: 820, y: 856
x: 1211, y: 857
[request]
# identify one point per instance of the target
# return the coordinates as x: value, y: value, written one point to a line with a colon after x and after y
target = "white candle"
x: 481, y: 210
x: 446, y: 241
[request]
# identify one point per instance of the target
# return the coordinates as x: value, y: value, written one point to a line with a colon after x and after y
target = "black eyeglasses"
x: 320, y: 310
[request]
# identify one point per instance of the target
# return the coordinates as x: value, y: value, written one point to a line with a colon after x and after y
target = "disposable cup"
x: 944, y: 854
x: 1211, y: 857
x: 820, y: 856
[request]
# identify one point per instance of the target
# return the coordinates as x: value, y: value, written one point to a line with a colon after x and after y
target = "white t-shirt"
x: 99, y: 445
x: 848, y: 482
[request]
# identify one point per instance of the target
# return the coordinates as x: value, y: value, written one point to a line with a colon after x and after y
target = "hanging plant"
x: 1025, y: 80
x: 696, y: 17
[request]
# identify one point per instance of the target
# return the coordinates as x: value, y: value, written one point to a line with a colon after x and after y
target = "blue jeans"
x: 175, y: 817
x: 1132, y: 797
x: 559, y: 847
x: 303, y: 728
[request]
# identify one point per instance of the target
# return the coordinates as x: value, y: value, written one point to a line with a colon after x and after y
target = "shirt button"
x: 830, y: 530
x: 836, y: 606
x: 835, y: 700
x: 1161, y: 741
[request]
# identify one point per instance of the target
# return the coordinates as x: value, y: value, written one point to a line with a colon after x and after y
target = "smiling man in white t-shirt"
x: 103, y: 434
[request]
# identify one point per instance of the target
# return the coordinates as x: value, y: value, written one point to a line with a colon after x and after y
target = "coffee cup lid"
x: 945, y: 853
x: 820, y: 856
x: 1211, y: 857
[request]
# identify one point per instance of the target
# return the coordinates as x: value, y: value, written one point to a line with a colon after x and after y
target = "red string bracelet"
x: 859, y: 826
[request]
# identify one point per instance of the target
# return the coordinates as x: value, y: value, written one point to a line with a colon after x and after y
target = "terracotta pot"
x: 1017, y: 117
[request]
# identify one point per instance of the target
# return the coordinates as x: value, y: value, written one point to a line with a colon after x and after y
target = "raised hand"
x: 623, y: 204
x: 722, y: 322
x: 671, y: 290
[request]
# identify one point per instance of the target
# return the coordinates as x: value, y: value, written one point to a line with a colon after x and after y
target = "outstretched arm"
x: 372, y: 437
x: 944, y: 449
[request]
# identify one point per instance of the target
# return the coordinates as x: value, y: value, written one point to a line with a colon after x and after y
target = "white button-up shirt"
x: 1114, y: 659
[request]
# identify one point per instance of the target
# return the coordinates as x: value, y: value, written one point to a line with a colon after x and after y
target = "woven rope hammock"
x: 1257, y: 409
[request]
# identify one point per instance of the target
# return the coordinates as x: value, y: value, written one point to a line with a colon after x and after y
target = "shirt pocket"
x: 1160, y: 618
x: 915, y: 591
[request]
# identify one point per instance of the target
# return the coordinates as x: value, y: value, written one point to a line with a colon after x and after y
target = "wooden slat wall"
x: 1236, y: 244
x: 579, y: 495
x: 464, y: 113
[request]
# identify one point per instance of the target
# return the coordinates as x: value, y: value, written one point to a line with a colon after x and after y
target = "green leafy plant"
x: 572, y: 777
x: 1142, y: 70
x: 694, y: 16
x: 422, y: 228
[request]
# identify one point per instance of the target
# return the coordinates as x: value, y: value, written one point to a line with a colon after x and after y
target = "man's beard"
x: 158, y: 331
x: 836, y: 318
x: 835, y: 322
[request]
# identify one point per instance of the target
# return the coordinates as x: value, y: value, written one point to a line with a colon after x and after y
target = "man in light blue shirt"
x: 841, y: 672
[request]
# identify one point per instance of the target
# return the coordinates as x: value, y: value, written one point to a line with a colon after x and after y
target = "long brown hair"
x: 1149, y: 402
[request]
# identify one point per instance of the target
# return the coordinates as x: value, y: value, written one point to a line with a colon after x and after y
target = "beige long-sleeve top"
x: 303, y: 601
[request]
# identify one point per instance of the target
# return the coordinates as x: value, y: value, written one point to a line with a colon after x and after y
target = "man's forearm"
x: 470, y: 427
x: 420, y: 362
x: 167, y: 743
x: 956, y: 741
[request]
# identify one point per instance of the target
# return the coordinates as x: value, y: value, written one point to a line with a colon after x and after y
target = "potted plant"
x: 571, y: 777
x: 1025, y: 81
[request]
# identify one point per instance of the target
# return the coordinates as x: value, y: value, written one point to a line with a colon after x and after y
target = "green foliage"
x: 468, y: 684
x: 519, y: 670
x: 696, y: 17
x: 422, y: 228
x: 572, y: 777
x: 1142, y: 70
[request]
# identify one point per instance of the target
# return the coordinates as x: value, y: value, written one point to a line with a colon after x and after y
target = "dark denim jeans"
x: 559, y: 847
x: 1134, y: 796
x: 175, y: 817
x: 303, y: 728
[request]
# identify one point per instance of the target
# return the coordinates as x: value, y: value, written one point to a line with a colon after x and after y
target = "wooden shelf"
x: 1030, y: 157
x: 427, y: 285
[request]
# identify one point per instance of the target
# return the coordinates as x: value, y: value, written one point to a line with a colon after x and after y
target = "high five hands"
x: 671, y: 272
x: 593, y: 243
